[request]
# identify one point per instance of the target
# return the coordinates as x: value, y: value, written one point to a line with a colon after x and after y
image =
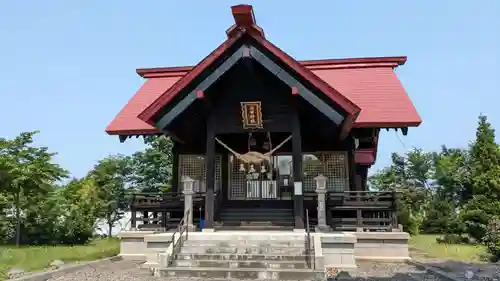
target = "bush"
x: 440, y: 217
x: 492, y: 238
x: 410, y: 222
x: 452, y: 239
x: 476, y: 215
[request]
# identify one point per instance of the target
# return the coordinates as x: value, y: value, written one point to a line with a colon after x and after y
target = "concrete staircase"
x: 256, y: 218
x: 243, y: 257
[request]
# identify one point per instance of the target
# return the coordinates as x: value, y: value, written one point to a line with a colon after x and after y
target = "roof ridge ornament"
x: 244, y: 21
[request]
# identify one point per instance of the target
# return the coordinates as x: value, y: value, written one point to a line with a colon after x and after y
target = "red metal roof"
x: 377, y: 90
x: 369, y: 82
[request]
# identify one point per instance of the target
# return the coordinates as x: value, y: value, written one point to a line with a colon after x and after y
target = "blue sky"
x: 68, y: 67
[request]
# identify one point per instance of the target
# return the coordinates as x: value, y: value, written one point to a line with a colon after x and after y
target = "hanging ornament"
x: 267, y: 142
x: 242, y: 167
x: 266, y: 145
x: 251, y: 140
x: 252, y: 169
x: 263, y: 169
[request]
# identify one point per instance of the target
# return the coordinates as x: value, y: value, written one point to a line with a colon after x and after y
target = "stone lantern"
x: 321, y: 191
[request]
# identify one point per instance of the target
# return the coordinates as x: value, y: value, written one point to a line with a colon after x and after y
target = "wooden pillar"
x: 133, y: 214
x: 351, y: 163
x: 175, y: 168
x: 210, y: 178
x: 133, y: 220
x: 225, y: 176
x: 155, y: 218
x: 298, y: 197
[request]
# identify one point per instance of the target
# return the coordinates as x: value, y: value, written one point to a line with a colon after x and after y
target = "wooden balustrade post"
x: 395, y: 227
x: 188, y: 190
x: 321, y: 191
x: 133, y: 214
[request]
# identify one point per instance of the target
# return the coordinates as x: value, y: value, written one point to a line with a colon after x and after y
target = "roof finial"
x: 244, y: 18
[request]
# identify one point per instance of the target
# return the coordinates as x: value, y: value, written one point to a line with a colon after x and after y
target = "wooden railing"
x: 153, y: 200
x: 177, y: 243
x: 362, y: 198
x: 375, y: 210
x: 355, y: 210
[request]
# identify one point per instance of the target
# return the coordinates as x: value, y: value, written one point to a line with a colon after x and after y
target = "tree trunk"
x: 110, y: 228
x: 18, y: 217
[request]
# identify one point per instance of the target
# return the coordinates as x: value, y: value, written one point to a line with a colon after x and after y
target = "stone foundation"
x: 132, y: 245
x: 382, y: 246
x: 337, y: 250
x: 143, y: 245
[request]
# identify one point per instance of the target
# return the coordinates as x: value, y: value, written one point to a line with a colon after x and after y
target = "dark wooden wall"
x: 250, y: 82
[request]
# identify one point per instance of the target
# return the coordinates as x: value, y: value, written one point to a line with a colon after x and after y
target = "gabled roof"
x: 245, y: 25
x: 370, y: 82
x: 366, y: 88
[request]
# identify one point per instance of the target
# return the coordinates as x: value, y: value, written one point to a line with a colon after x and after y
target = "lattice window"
x: 237, y: 179
x: 333, y: 165
x: 193, y: 166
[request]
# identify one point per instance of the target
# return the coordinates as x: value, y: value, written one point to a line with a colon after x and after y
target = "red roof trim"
x: 386, y: 124
x: 364, y: 156
x: 397, y: 60
x: 132, y: 132
x: 167, y: 96
x: 311, y: 64
x: 351, y: 108
x: 375, y: 144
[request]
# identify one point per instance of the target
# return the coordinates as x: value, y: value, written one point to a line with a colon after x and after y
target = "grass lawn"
x: 458, y: 252
x: 39, y: 257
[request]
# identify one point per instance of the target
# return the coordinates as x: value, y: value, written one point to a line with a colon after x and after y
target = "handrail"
x: 177, y: 244
x: 309, y: 253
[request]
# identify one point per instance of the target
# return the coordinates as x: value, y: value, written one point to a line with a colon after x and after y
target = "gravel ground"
x: 458, y: 269
x: 130, y: 271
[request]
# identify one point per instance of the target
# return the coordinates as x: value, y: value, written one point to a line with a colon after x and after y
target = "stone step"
x: 229, y: 210
x: 256, y: 212
x: 256, y: 223
x: 269, y: 264
x: 239, y: 257
x: 242, y: 250
x: 243, y: 236
x: 244, y: 243
x: 256, y: 215
x: 242, y: 273
x: 234, y: 226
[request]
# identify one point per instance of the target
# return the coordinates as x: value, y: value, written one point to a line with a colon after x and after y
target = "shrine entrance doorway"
x: 271, y: 179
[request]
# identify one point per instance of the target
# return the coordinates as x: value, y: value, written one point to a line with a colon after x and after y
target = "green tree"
x: 82, y: 206
x: 152, y: 167
x: 453, y: 175
x: 420, y: 168
x: 26, y: 171
x: 485, y: 180
x: 485, y: 160
x: 112, y: 176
